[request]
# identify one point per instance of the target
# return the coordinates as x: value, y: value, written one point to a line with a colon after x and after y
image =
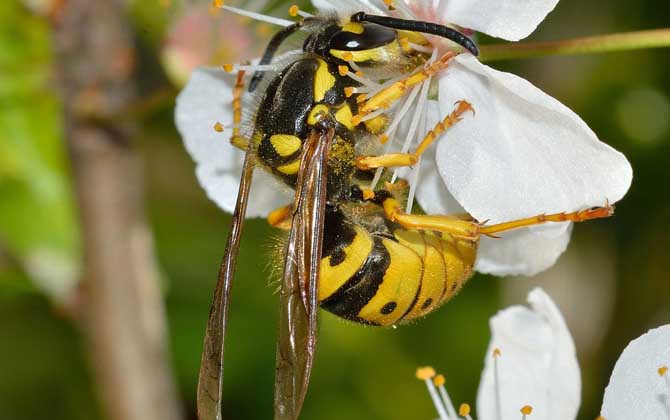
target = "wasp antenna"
x: 419, y: 26
x: 270, y: 51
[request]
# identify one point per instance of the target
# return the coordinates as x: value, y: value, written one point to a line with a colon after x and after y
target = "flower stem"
x: 655, y: 38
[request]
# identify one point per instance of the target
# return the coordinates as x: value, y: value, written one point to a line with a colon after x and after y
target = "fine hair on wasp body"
x: 322, y: 121
x: 396, y: 268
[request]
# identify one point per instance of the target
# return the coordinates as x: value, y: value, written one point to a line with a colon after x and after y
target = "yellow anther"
x: 389, y: 4
x: 293, y: 10
x: 496, y: 352
x: 347, y: 56
x: 526, y: 410
x: 368, y: 194
x: 425, y: 373
x: 343, y: 70
x: 404, y: 43
x: 359, y: 73
x: 600, y: 418
x: 228, y: 68
x: 356, y: 119
x: 464, y: 410
x: 360, y: 98
x: 662, y: 370
x: 439, y: 380
x: 217, y: 3
x: 383, y: 138
x: 218, y: 127
x: 348, y: 91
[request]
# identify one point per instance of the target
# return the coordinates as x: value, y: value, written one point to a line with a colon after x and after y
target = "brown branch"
x: 123, y: 313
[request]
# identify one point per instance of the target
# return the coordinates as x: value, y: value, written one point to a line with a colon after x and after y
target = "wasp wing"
x: 211, y: 365
x: 298, y: 309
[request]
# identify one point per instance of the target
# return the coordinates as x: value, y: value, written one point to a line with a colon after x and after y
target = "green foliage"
x: 36, y: 210
x: 360, y: 372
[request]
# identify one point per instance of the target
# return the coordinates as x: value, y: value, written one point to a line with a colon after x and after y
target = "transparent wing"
x: 211, y: 366
x: 298, y: 309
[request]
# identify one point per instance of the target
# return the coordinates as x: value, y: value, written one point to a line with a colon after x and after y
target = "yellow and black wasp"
x: 350, y: 250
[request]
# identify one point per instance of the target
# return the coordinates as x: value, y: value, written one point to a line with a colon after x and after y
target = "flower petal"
x: 523, y: 153
x: 350, y: 5
x: 507, y: 19
x: 206, y: 100
x: 636, y: 390
x: 521, y: 252
x: 537, y: 365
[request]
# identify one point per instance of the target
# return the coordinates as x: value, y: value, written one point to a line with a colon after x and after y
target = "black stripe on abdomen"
x: 349, y: 299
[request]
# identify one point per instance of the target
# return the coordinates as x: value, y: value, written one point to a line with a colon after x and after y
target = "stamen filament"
x: 251, y: 67
x: 420, y: 48
x: 423, y: 97
x: 390, y: 131
x: 439, y: 382
x: 361, y: 79
x: 372, y: 115
x: 496, y: 383
x: 257, y: 16
x: 426, y: 374
x: 413, y: 185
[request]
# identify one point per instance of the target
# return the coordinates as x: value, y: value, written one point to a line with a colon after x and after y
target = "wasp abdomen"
x: 372, y: 279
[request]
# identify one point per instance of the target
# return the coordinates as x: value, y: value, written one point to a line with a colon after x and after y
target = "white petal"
x: 636, y: 391
x: 523, y: 153
x: 347, y: 5
x: 537, y: 365
x: 207, y: 99
x: 520, y: 252
x: 507, y: 19
x: 431, y: 193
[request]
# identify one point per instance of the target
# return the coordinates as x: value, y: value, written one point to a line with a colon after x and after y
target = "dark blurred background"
x: 612, y: 284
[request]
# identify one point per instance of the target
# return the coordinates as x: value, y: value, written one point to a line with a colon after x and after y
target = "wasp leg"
x: 281, y: 217
x: 387, y: 96
x: 447, y: 224
x: 472, y: 230
x: 409, y: 159
x: 576, y: 216
x: 236, y: 139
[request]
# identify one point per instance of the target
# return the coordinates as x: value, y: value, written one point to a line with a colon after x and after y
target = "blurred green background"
x: 612, y: 284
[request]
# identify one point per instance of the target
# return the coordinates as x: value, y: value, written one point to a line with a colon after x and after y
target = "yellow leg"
x: 577, y: 216
x: 237, y: 140
x: 472, y: 230
x: 386, y: 97
x: 447, y: 224
x: 409, y: 159
x: 281, y: 217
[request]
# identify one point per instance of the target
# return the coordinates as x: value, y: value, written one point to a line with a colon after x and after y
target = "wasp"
x: 350, y: 249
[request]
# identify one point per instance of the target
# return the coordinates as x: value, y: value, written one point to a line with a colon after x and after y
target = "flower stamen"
x: 420, y: 48
x: 496, y: 382
x: 464, y: 411
x: 526, y: 410
x: 426, y: 374
x: 257, y: 16
x: 439, y: 382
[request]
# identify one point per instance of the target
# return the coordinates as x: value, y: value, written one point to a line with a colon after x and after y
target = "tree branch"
x: 123, y: 312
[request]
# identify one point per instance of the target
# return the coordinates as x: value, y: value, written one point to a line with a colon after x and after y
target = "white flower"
x: 639, y: 388
x: 536, y: 366
x: 523, y: 153
x: 530, y: 366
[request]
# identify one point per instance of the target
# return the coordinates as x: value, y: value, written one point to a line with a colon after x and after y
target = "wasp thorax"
x: 354, y: 41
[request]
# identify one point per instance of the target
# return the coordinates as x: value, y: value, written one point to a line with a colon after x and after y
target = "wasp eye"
x: 373, y: 36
